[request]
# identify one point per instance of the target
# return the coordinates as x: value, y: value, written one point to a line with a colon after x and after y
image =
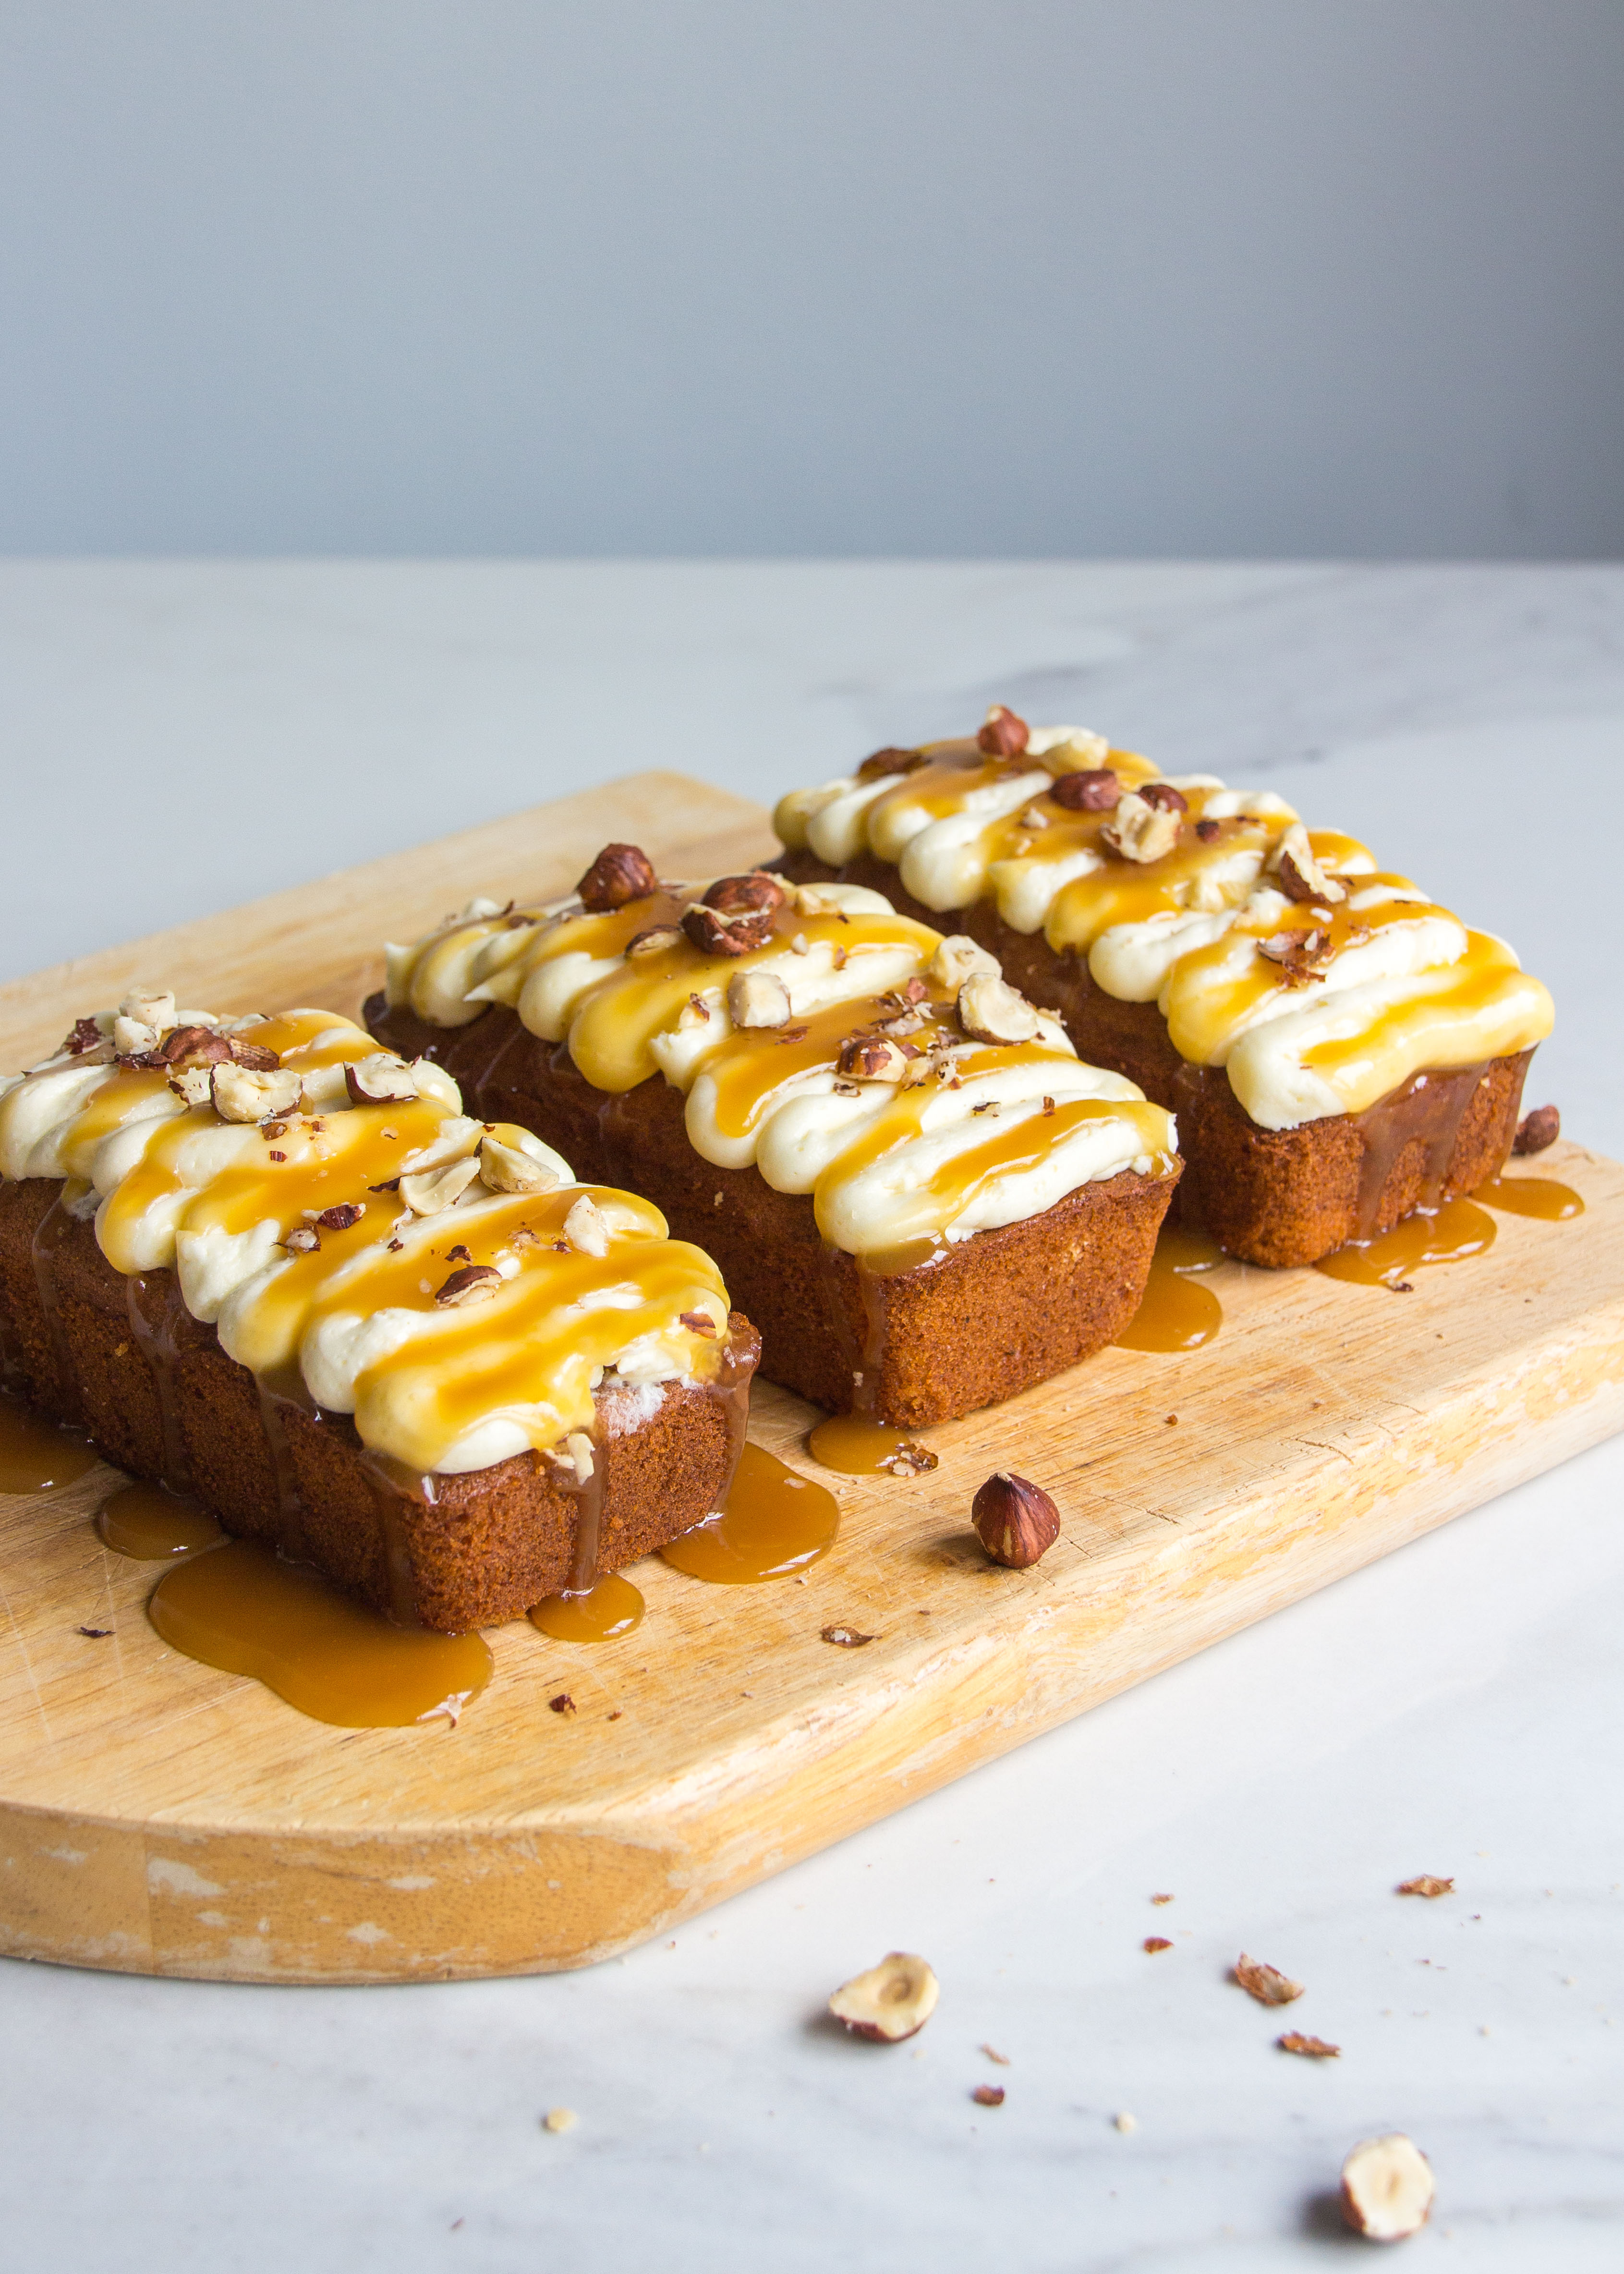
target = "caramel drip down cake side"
x: 1279, y: 954
x: 347, y: 1230
x: 842, y: 1051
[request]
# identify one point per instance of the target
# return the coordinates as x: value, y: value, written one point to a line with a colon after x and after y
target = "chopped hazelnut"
x: 562, y: 1704
x: 341, y: 1217
x: 845, y: 1638
x: 1388, y: 2188
x: 1155, y: 1942
x: 304, y: 1239
x: 987, y: 2096
x: 429, y: 1190
x: 379, y: 1078
x: 1141, y: 830
x: 891, y: 2001
x: 473, y: 1282
x: 1426, y: 1885
x: 564, y: 2120
x: 758, y: 998
x: 871, y: 1057
x: 957, y: 958
x: 510, y: 1169
x: 1311, y: 2048
x: 1299, y: 874
x: 990, y: 1010
x: 241, y: 1094
x: 659, y: 939
x: 715, y: 932
x: 586, y: 1227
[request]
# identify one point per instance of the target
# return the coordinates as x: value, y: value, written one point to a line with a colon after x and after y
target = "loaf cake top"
x: 355, y: 1239
x: 1283, y: 953
x: 843, y: 1050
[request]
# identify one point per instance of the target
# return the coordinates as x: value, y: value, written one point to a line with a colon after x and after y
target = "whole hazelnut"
x: 891, y: 2001
x: 1089, y: 789
x: 1536, y: 1130
x: 755, y: 889
x: 1003, y: 735
x: 1016, y: 1521
x: 620, y: 873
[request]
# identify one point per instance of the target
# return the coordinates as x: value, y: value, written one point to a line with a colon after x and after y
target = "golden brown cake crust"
x: 1274, y: 1197
x: 491, y: 1543
x: 1002, y: 1311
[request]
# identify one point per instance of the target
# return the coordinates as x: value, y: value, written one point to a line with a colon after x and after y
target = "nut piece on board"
x: 1004, y: 735
x: 620, y: 873
x: 846, y: 1637
x: 1016, y: 1522
x: 1313, y: 2048
x: 758, y: 998
x: 1536, y: 1130
x: 959, y: 958
x: 1426, y: 1885
x: 990, y: 1010
x: 1266, y: 1983
x: 892, y: 2000
x: 1388, y: 2188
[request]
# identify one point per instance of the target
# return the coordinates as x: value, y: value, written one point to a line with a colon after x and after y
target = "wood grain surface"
x: 158, y: 1816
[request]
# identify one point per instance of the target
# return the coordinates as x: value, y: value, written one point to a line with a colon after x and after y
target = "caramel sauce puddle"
x: 772, y: 1523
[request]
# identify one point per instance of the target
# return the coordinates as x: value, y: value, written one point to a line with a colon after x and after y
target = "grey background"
x: 850, y: 276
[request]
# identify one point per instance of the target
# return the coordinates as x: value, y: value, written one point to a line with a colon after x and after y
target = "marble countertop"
x: 178, y: 737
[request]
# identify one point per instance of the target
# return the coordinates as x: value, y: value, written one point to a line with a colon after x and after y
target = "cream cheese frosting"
x: 959, y: 1133
x: 445, y: 1281
x: 1381, y: 984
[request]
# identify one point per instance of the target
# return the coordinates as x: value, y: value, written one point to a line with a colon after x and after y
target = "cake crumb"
x: 1124, y: 2122
x: 560, y: 2119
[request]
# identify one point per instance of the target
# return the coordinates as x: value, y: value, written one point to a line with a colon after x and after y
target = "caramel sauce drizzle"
x: 1447, y: 1009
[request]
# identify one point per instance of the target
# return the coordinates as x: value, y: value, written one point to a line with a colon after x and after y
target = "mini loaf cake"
x: 265, y: 1262
x: 1338, y: 1048
x: 922, y: 1197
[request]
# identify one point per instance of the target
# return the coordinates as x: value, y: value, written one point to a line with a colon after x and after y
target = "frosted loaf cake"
x: 265, y: 1261
x: 923, y: 1198
x: 1339, y: 1049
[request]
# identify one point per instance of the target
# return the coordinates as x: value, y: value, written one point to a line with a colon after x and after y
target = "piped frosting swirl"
x: 446, y: 1280
x: 1282, y: 954
x: 831, y: 1052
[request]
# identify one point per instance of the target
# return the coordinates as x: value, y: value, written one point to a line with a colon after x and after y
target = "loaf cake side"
x: 1339, y: 1049
x: 456, y: 1390
x: 921, y: 1212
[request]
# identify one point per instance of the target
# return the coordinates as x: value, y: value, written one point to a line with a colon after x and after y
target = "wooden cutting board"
x: 158, y: 1816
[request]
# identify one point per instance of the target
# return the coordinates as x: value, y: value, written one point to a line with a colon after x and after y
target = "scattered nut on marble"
x: 1388, y: 2188
x: 892, y: 2000
x: 1266, y: 1983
